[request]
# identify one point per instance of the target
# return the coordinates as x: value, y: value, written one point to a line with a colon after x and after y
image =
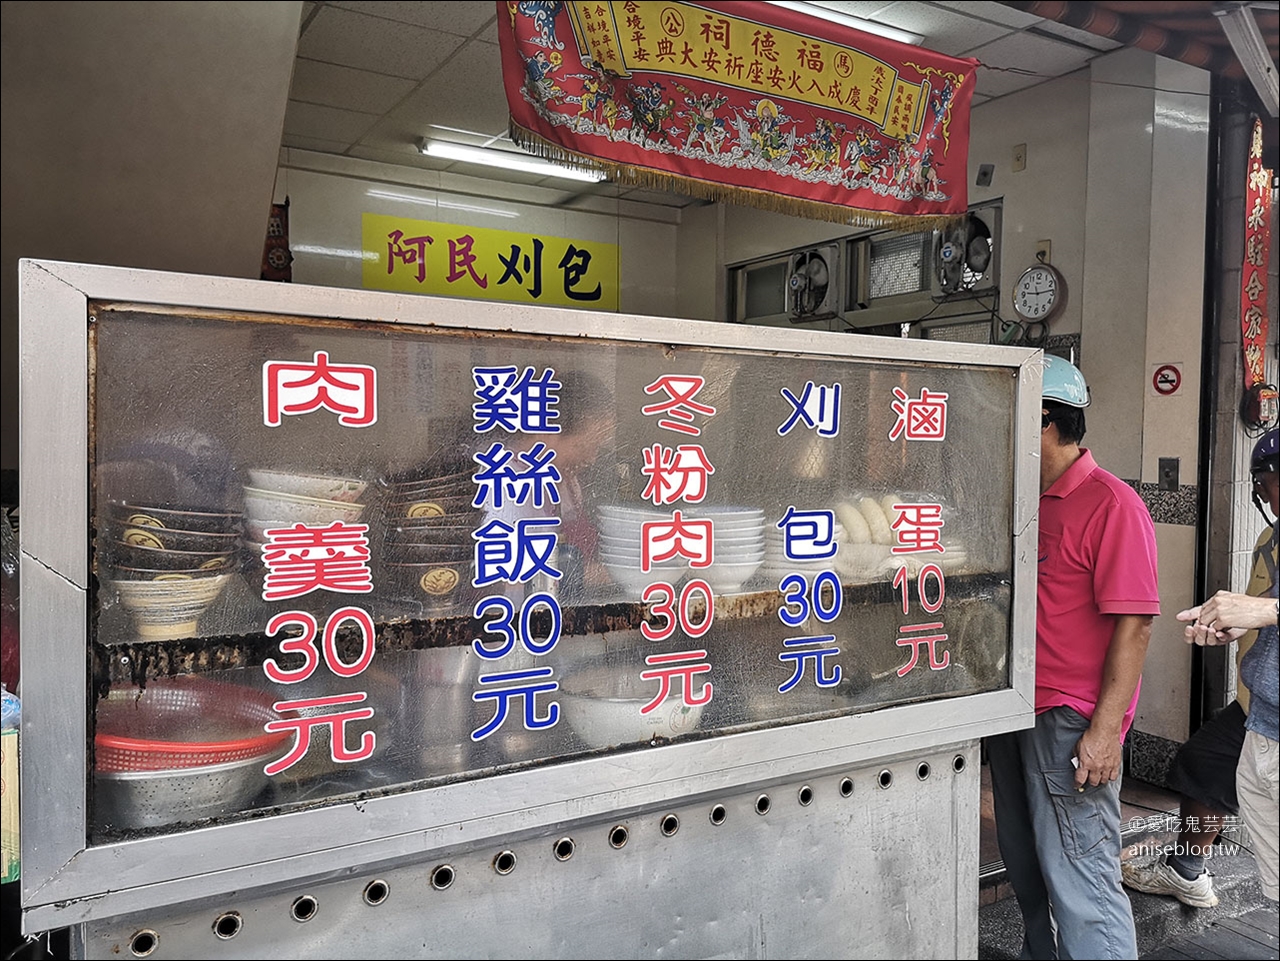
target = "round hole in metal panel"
x: 375, y: 892
x: 718, y: 815
x: 669, y: 825
x: 304, y: 908
x: 442, y: 876
x: 143, y: 943
x: 564, y: 849
x: 885, y: 779
x: 923, y: 770
x: 846, y: 787
x: 958, y: 763
x: 227, y: 925
x: 763, y: 804
x: 504, y: 862
x: 618, y: 836
x: 805, y: 796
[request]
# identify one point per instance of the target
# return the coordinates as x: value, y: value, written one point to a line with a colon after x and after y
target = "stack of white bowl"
x: 737, y: 552
x: 277, y: 499
x: 776, y: 563
x: 739, y: 547
x: 620, y: 543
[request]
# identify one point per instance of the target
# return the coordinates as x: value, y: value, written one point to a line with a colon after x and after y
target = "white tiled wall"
x: 1118, y: 246
x: 1164, y: 706
x: 1175, y: 266
x: 1142, y: 307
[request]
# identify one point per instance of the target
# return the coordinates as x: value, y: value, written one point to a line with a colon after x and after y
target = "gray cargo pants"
x: 1060, y: 846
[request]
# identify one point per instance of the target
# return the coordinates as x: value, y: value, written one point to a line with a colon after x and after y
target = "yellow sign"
x: 688, y: 41
x: 425, y: 257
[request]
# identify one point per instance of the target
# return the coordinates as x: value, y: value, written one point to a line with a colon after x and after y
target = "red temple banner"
x: 745, y: 102
x: 1253, y: 275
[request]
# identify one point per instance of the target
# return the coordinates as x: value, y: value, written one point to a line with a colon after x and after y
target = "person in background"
x: 1057, y: 786
x: 587, y: 422
x: 1204, y: 770
x: 1223, y: 618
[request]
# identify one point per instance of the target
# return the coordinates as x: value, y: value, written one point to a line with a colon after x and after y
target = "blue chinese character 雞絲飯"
x: 516, y: 401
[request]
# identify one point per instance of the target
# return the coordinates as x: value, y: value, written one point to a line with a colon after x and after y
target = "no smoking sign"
x: 1166, y: 379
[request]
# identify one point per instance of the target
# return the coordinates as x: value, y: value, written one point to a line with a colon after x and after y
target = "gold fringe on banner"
x: 633, y: 176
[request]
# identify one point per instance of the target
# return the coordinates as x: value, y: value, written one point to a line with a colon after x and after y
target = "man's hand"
x: 1097, y: 757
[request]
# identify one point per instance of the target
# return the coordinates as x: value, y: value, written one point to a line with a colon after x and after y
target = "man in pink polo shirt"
x: 1057, y: 786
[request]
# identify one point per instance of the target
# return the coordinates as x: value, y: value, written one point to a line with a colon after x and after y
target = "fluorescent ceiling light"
x: 343, y: 252
x: 1251, y: 50
x: 857, y: 23
x: 476, y: 209
x: 507, y: 160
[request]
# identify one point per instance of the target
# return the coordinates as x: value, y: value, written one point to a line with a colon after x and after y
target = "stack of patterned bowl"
x: 168, y: 565
x: 428, y: 519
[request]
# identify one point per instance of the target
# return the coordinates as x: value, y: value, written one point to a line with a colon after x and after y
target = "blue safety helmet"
x: 1064, y: 383
x: 1265, y: 453
x: 1265, y: 460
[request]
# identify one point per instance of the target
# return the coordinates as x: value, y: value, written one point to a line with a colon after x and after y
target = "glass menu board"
x: 341, y: 558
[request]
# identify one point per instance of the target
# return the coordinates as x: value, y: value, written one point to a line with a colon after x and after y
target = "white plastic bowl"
x: 740, y: 556
x: 603, y: 708
x: 727, y: 578
x: 633, y: 560
x: 268, y: 506
x: 615, y: 512
x: 345, y: 489
x: 740, y: 547
x: 631, y: 579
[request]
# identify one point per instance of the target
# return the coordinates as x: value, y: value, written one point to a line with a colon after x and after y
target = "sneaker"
x: 1157, y: 877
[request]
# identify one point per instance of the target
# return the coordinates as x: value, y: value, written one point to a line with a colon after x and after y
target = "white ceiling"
x: 372, y: 77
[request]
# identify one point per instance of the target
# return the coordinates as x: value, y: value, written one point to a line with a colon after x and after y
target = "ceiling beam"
x: 1251, y: 50
x: 1133, y: 31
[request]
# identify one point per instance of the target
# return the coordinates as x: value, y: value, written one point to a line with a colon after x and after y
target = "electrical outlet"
x: 1044, y: 251
x: 1019, y: 157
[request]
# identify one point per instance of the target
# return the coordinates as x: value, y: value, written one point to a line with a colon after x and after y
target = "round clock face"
x: 1039, y: 293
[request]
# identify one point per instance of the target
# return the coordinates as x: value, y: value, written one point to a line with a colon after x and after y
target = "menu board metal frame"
x: 66, y: 881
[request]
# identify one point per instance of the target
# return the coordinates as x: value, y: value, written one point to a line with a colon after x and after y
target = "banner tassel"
x: 633, y: 176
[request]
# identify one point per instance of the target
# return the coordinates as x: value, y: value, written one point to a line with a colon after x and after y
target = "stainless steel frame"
x: 66, y: 882
x: 827, y: 871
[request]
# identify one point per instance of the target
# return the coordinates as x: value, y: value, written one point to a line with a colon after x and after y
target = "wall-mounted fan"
x: 811, y: 286
x: 965, y: 257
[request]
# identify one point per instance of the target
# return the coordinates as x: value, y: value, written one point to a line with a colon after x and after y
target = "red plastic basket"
x: 182, y: 722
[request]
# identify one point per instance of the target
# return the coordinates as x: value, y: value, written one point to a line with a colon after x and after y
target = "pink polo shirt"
x: 1097, y: 560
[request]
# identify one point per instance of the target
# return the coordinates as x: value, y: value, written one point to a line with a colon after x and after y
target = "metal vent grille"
x: 978, y: 332
x: 899, y: 264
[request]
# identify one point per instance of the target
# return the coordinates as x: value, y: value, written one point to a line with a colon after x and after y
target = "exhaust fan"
x: 812, y: 285
x: 965, y: 257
